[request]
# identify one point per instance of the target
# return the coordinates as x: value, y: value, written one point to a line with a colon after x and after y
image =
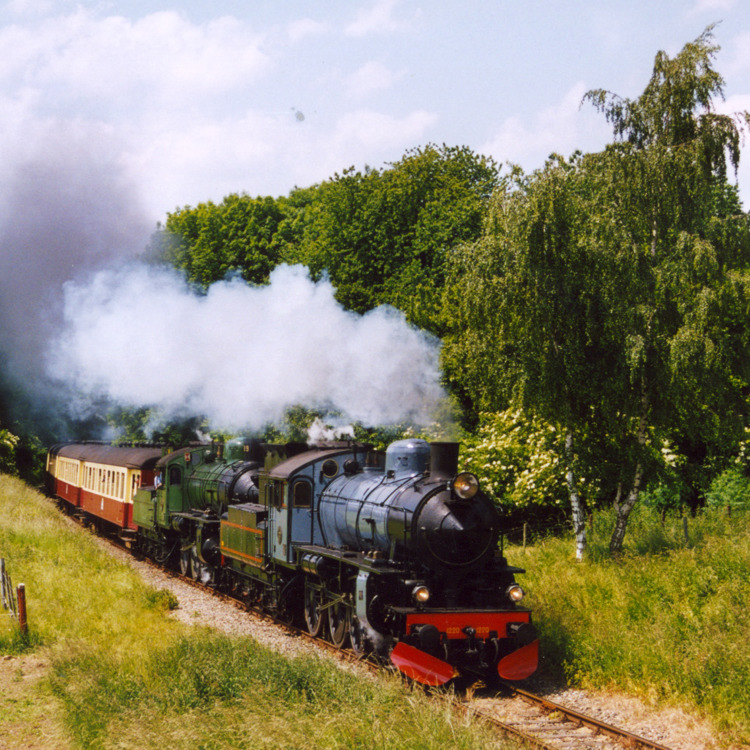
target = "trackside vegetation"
x: 666, y: 620
x: 123, y: 674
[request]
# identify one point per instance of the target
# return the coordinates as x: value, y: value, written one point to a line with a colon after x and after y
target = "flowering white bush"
x: 518, y: 460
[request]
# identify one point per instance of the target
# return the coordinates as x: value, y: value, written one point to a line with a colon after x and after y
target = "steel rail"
x: 624, y: 736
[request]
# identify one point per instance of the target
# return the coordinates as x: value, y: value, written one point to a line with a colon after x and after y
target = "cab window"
x: 175, y: 476
x: 302, y: 494
x: 276, y: 494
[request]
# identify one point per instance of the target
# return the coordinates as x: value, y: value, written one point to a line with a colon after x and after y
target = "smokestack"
x: 443, y: 460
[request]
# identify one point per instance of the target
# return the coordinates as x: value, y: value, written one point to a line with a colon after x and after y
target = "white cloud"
x: 208, y: 158
x: 734, y: 104
x: 377, y: 19
x: 29, y: 7
x: 706, y: 6
x: 739, y: 56
x: 304, y: 28
x: 371, y: 77
x: 562, y: 128
x: 171, y: 95
x: 378, y: 130
x: 162, y: 58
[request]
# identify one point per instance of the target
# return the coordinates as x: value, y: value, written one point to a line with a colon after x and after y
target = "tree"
x: 610, y: 289
x: 665, y: 177
x: 211, y: 241
x: 527, y: 312
x: 384, y: 236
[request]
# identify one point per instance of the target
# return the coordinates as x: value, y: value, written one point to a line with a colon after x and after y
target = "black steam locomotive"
x: 396, y: 553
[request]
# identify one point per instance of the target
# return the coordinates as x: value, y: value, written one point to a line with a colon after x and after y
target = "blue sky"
x: 162, y: 104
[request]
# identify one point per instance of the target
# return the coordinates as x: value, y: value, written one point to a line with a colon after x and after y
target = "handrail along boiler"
x: 396, y: 554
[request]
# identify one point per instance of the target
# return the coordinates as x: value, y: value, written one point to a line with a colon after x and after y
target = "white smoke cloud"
x: 240, y: 355
x: 319, y: 431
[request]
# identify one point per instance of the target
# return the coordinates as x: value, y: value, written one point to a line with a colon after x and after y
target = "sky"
x: 114, y: 113
x: 180, y: 103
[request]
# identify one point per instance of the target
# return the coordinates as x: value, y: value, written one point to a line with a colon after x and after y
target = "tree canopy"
x: 381, y: 236
x: 210, y: 241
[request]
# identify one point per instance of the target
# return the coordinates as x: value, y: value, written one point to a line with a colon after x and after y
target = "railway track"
x: 544, y: 724
x: 533, y: 719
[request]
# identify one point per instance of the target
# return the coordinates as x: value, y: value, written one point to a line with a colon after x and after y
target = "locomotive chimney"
x: 443, y: 460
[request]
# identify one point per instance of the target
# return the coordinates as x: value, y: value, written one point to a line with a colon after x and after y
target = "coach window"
x: 302, y: 493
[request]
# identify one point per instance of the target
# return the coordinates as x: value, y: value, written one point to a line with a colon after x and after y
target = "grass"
x: 667, y: 620
x: 123, y: 675
x: 254, y: 698
x: 74, y: 589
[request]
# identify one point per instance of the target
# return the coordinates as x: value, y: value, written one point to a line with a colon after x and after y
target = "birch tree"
x: 527, y: 314
x: 683, y: 256
x: 610, y: 292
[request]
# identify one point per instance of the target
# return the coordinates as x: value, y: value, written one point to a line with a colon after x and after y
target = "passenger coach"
x: 101, y: 479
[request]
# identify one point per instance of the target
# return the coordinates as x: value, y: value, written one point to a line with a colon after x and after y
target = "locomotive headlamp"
x: 515, y: 593
x: 466, y: 485
x: 421, y: 594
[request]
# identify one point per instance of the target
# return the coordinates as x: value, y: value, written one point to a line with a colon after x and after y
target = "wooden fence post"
x: 22, y: 609
x: 4, y: 596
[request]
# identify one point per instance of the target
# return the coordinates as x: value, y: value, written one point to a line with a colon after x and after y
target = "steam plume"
x: 65, y: 205
x: 240, y: 355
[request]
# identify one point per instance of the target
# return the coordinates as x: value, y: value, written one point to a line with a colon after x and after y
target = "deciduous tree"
x: 609, y: 291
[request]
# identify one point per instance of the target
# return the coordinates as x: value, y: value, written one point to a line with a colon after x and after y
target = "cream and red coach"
x: 101, y: 480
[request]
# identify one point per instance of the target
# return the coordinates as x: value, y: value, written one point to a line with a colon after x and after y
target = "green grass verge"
x: 667, y: 620
x: 74, y: 589
x: 124, y: 675
x: 206, y: 690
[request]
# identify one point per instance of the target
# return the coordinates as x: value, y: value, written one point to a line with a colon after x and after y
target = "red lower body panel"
x: 116, y: 512
x: 419, y: 666
x: 68, y: 492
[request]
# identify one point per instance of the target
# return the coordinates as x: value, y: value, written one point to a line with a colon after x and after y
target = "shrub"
x: 731, y: 489
x: 8, y: 443
x: 518, y: 460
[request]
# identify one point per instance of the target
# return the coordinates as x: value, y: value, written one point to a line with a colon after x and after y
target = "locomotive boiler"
x: 432, y: 590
